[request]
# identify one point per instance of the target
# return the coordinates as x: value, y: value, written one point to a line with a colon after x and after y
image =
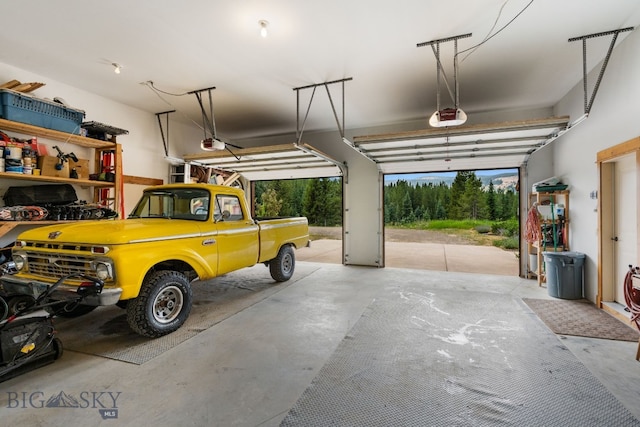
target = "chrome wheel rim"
x: 168, y: 304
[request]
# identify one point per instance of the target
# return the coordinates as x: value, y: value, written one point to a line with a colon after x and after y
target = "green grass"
x: 503, y: 234
x: 445, y: 224
x: 510, y: 243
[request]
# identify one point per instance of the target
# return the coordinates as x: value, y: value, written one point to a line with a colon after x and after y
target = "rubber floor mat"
x: 582, y: 319
x: 447, y: 358
x: 105, y: 332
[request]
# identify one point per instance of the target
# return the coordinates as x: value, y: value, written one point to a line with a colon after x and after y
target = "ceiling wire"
x: 495, y: 23
x: 489, y: 37
x: 157, y: 92
x: 150, y: 84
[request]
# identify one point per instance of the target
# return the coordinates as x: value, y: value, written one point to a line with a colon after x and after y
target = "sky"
x: 409, y: 176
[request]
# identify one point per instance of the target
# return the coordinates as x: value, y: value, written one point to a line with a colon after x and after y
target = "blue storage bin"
x: 23, y: 108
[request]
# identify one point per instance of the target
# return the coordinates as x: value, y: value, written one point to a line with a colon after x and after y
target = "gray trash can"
x: 565, y: 274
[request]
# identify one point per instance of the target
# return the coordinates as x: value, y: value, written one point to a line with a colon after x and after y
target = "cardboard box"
x: 81, y: 167
x: 47, y: 166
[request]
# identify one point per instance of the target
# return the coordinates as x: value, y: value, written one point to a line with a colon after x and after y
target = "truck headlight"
x: 103, y: 270
x: 20, y: 260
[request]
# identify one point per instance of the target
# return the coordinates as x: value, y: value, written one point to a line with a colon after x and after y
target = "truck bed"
x: 276, y: 232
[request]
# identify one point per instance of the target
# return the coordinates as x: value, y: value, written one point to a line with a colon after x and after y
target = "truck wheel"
x: 162, y: 306
x: 282, y: 266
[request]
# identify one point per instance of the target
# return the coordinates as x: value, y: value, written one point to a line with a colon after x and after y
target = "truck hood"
x: 114, y: 232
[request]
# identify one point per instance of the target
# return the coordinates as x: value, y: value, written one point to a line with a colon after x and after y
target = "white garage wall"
x: 613, y: 119
x: 143, y: 152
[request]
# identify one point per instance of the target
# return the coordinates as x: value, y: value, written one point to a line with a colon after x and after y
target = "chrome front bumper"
x: 17, y: 286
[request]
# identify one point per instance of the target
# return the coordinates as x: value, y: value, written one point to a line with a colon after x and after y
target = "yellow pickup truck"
x: 176, y: 234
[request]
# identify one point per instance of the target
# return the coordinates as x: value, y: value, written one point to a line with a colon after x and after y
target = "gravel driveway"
x: 396, y: 235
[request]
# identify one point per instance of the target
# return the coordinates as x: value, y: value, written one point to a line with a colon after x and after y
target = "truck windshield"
x: 175, y: 203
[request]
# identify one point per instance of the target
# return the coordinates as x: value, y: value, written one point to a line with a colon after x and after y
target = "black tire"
x: 162, y: 306
x: 122, y: 304
x: 70, y: 309
x: 283, y: 265
x: 19, y: 302
x: 57, y: 348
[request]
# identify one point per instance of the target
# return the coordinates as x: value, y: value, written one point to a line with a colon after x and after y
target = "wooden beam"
x: 269, y: 149
x: 618, y: 150
x: 139, y: 180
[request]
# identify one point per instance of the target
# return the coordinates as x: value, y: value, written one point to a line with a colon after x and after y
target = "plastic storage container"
x: 23, y: 108
x: 565, y: 274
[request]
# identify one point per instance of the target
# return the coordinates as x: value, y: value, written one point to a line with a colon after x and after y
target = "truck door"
x: 237, y: 239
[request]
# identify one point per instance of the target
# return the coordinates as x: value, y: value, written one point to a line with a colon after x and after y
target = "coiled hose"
x: 632, y: 295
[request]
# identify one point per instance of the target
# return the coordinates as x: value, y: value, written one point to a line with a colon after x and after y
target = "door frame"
x: 606, y: 265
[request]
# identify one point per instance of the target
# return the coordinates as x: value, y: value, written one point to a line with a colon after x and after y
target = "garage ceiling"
x: 517, y: 58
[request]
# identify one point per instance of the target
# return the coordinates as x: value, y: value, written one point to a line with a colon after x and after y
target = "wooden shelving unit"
x: 554, y: 230
x: 98, y: 145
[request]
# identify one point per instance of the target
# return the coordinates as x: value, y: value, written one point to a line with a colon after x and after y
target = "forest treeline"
x: 320, y: 200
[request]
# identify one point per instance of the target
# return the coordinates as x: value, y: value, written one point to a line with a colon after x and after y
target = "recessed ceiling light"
x: 263, y: 28
x: 116, y: 67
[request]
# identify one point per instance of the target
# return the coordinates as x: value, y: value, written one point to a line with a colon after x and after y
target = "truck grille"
x: 57, y: 265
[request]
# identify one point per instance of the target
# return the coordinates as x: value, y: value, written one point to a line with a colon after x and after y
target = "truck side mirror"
x: 225, y: 215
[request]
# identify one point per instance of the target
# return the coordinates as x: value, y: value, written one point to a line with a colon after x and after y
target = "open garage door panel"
x: 285, y: 161
x: 473, y: 147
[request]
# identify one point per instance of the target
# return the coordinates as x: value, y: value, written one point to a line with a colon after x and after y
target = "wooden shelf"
x: 55, y: 179
x: 26, y: 129
x: 561, y: 196
x: 99, y: 147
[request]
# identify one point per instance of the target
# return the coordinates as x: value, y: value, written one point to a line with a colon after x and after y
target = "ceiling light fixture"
x: 263, y: 28
x: 116, y: 67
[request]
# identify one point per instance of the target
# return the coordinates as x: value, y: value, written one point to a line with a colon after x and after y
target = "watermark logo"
x: 106, y: 402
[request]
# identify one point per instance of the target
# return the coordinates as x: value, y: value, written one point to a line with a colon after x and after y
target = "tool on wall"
x: 62, y: 158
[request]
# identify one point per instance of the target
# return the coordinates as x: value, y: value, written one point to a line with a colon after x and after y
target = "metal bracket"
x: 435, y: 46
x: 165, y: 140
x: 208, y: 121
x: 300, y: 130
x: 341, y: 125
x: 589, y: 104
x: 341, y: 165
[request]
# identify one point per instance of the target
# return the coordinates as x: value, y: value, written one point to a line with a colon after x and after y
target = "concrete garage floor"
x: 252, y: 368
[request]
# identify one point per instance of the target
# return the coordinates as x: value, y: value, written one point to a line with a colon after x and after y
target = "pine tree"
x: 472, y: 201
x: 455, y: 207
x: 322, y: 202
x: 491, y: 203
x: 271, y: 204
